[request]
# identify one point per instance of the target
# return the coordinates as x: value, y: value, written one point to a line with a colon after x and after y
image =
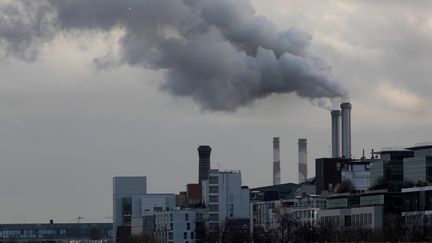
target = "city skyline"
x: 68, y: 127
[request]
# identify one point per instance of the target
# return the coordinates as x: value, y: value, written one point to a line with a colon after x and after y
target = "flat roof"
x: 420, y: 147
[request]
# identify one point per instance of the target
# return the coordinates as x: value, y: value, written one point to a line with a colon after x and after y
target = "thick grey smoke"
x: 218, y: 52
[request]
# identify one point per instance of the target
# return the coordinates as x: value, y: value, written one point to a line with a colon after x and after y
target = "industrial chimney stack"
x: 336, y: 136
x: 302, y: 160
x: 276, y: 162
x: 346, y: 129
x: 204, y: 152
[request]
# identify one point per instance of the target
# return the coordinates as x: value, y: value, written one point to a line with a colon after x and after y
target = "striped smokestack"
x: 302, y: 160
x: 276, y: 162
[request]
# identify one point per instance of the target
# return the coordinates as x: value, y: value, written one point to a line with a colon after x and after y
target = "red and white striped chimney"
x: 302, y: 160
x: 276, y: 162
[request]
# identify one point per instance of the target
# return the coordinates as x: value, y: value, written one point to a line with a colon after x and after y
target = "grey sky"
x: 67, y: 127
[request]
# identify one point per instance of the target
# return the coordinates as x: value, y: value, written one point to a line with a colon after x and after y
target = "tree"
x: 345, y: 186
x: 142, y: 238
x: 380, y: 183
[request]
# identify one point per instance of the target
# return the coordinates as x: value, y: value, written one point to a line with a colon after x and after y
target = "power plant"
x: 276, y: 162
x: 302, y: 160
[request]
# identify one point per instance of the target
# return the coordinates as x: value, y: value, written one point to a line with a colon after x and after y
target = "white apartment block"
x: 144, y: 209
x: 225, y: 197
x: 176, y: 226
x: 306, y: 208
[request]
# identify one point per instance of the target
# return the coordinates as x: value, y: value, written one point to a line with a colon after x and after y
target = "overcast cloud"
x: 67, y: 126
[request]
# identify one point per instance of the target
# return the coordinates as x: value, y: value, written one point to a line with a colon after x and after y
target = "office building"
x: 418, y: 167
x: 123, y: 190
x: 388, y: 171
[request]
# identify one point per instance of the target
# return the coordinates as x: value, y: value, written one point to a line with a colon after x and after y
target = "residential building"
x: 174, y: 226
x: 225, y: 198
x: 144, y: 209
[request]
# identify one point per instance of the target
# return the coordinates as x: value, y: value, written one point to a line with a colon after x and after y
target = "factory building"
x: 358, y: 174
x: 328, y: 173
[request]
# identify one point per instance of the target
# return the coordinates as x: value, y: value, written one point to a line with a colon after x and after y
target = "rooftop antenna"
x: 363, y: 155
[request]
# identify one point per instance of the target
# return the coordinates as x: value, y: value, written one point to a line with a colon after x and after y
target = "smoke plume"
x: 218, y: 52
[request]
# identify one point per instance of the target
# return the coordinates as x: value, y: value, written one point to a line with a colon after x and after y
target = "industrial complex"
x: 345, y: 193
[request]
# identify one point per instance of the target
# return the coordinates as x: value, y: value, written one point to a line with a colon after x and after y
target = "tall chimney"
x: 302, y: 160
x: 204, y: 162
x: 346, y: 129
x: 276, y: 162
x: 336, y: 144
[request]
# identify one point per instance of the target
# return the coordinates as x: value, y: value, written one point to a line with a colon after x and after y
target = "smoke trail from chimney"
x: 220, y: 53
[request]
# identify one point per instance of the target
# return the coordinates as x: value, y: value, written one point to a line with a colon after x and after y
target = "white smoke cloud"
x: 218, y: 52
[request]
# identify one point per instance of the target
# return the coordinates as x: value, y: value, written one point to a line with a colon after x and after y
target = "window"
x: 213, y: 180
x: 126, y: 210
x: 213, y: 189
x: 347, y: 220
x: 213, y: 217
x: 213, y: 207
x: 185, y: 235
x: 214, y: 198
x: 192, y: 235
x: 188, y: 226
x: 171, y: 217
x: 186, y: 217
x: 170, y: 235
x: 171, y: 226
